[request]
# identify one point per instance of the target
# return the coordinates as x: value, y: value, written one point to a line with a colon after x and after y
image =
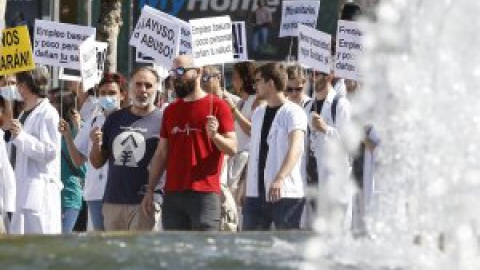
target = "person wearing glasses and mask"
x: 197, y: 130
x: 35, y: 157
x: 112, y: 91
x: 127, y: 141
x: 296, y: 86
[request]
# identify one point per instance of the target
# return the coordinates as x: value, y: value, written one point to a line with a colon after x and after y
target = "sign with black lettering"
x: 349, y: 50
x: 88, y: 63
x: 16, y: 51
x: 157, y: 37
x: 298, y: 12
x: 56, y: 44
x: 240, y: 50
x: 314, y: 49
x: 102, y: 48
x: 212, y: 41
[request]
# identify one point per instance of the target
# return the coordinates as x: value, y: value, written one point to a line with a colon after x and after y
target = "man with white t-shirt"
x: 275, y: 188
x: 111, y: 88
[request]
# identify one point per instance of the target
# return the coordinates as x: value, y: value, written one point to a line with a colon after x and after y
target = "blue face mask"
x: 109, y: 103
x: 10, y: 93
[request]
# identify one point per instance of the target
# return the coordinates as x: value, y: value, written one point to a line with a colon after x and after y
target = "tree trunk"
x: 108, y: 28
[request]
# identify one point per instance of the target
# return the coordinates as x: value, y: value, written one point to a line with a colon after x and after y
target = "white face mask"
x: 10, y: 93
x: 109, y: 103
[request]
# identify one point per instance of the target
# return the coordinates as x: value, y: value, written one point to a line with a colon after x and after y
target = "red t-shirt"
x: 194, y: 161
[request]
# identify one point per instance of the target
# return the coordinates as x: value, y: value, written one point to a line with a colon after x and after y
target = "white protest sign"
x: 157, y: 37
x: 72, y: 75
x: 239, y: 35
x: 88, y: 63
x: 56, y: 44
x: 102, y: 48
x: 185, y: 39
x: 314, y: 49
x: 298, y: 12
x: 349, y: 50
x: 212, y: 41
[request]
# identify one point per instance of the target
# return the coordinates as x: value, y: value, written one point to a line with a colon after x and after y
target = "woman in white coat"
x: 35, y: 157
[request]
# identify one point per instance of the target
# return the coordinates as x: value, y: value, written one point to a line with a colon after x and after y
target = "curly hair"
x: 246, y: 70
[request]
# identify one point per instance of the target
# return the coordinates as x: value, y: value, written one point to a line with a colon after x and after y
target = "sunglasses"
x: 294, y: 89
x: 207, y: 77
x: 180, y: 71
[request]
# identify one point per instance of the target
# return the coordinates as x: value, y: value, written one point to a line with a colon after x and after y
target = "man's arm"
x: 77, y: 157
x: 98, y: 155
x: 227, y: 142
x: 157, y: 167
x: 295, y: 150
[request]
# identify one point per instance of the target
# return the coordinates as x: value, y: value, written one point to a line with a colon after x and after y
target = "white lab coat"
x: 37, y: 171
x: 289, y: 117
x: 7, y: 180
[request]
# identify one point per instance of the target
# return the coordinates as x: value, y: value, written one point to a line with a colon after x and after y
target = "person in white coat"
x: 35, y: 157
x: 275, y: 188
x: 325, y: 160
x: 7, y: 180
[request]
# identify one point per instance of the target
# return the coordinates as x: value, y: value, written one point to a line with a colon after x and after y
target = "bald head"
x: 183, y: 61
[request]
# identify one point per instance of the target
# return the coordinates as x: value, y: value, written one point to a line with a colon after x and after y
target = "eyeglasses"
x: 294, y: 89
x: 180, y: 71
x: 207, y: 77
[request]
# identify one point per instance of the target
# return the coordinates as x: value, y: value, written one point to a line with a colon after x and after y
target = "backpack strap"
x: 334, y: 107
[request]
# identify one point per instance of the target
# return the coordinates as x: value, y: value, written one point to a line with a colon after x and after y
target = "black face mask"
x: 184, y: 88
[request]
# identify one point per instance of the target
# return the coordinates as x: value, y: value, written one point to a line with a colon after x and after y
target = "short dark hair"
x: 114, y: 78
x: 35, y: 80
x: 275, y: 72
x: 350, y: 12
x: 246, y: 70
x: 146, y: 68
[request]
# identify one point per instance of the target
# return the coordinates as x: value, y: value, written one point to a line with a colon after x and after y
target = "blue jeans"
x: 285, y: 214
x: 260, y: 38
x: 69, y: 218
x: 96, y: 216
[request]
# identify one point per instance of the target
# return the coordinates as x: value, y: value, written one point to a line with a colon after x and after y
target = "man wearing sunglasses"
x: 127, y: 141
x: 197, y: 130
x: 296, y: 85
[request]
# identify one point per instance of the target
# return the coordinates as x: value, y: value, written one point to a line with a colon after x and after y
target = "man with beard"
x: 197, y: 130
x: 127, y: 141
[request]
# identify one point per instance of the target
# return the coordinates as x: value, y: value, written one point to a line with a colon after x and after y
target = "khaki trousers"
x: 126, y: 217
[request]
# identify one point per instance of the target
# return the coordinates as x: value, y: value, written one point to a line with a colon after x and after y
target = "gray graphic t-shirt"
x: 131, y: 141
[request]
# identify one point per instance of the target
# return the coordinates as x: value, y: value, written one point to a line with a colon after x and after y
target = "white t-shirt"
x: 95, y: 180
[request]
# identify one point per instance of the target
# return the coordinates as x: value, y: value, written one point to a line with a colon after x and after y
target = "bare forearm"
x: 98, y: 157
x: 225, y: 144
x: 242, y: 121
x: 157, y: 167
x: 77, y: 157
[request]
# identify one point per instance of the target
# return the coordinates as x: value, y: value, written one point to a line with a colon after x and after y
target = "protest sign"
x: 240, y: 52
x: 185, y: 39
x: 67, y: 74
x: 212, y: 41
x: 88, y: 63
x: 56, y: 44
x: 16, y: 52
x: 157, y: 37
x: 298, y: 12
x: 314, y: 49
x: 102, y: 48
x: 349, y: 50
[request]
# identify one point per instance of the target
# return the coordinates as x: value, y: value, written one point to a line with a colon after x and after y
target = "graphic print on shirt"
x: 129, y: 147
x: 187, y: 129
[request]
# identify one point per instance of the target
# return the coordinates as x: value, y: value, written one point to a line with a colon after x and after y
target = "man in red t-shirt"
x: 197, y: 130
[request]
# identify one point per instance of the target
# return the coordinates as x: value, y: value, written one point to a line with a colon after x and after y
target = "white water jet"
x: 422, y: 93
